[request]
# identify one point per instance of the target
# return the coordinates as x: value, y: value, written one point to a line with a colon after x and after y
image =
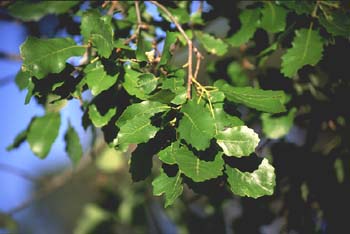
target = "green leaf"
x: 145, y: 109
x: 337, y: 23
x: 249, y: 22
x: 130, y: 83
x: 170, y: 39
x: 22, y: 79
x: 143, y: 47
x: 237, y: 75
x: 147, y: 82
x: 273, y: 18
x: 8, y: 224
x: 44, y: 56
x: 196, y: 169
x: 100, y: 120
x: 238, y: 141
x: 97, y: 78
x: 300, y: 7
x: 19, y: 139
x: 307, y: 49
x: 224, y: 120
x: 34, y: 11
x: 170, y: 186
x: 196, y: 126
x: 262, y: 100
x: 276, y: 127
x: 73, y: 146
x: 181, y: 15
x: 99, y: 30
x: 168, y: 155
x: 136, y: 130
x: 43, y: 132
x: 256, y: 184
x: 30, y: 93
x: 211, y: 44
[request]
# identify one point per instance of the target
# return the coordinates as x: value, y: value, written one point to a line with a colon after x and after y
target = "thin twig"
x: 191, y: 48
x: 18, y: 172
x: 138, y: 14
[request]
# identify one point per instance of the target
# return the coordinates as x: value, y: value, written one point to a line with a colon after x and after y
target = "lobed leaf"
x: 238, y: 141
x: 262, y: 100
x: 196, y: 126
x: 307, y: 49
x: 250, y: 20
x: 170, y: 186
x: 256, y: 184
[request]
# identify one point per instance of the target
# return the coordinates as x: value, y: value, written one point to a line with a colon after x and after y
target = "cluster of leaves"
x: 139, y: 95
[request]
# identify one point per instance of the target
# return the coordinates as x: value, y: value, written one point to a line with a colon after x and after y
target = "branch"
x: 57, y: 181
x: 18, y: 172
x: 191, y: 48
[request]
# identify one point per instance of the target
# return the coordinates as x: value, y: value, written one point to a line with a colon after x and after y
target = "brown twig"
x: 191, y: 48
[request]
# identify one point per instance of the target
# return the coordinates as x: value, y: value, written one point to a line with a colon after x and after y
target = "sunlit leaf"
x: 256, y: 184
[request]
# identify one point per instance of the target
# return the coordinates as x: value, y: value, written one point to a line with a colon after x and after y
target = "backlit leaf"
x: 43, y: 132
x: 73, y: 146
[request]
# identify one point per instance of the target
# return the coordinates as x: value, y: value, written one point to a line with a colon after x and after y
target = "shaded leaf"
x: 34, y: 11
x: 73, y: 146
x: 100, y: 120
x: 238, y: 141
x: 237, y: 75
x: 211, y: 44
x: 22, y: 79
x: 43, y: 132
x: 19, y: 139
x: 273, y: 18
x: 256, y: 184
x: 300, y: 7
x: 44, y: 56
x: 338, y: 24
x: 170, y: 39
x: 196, y: 126
x: 170, y: 186
x: 249, y: 22
x: 262, y: 100
x: 99, y: 30
x: 224, y: 120
x: 130, y: 84
x: 307, y: 49
x: 276, y: 127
